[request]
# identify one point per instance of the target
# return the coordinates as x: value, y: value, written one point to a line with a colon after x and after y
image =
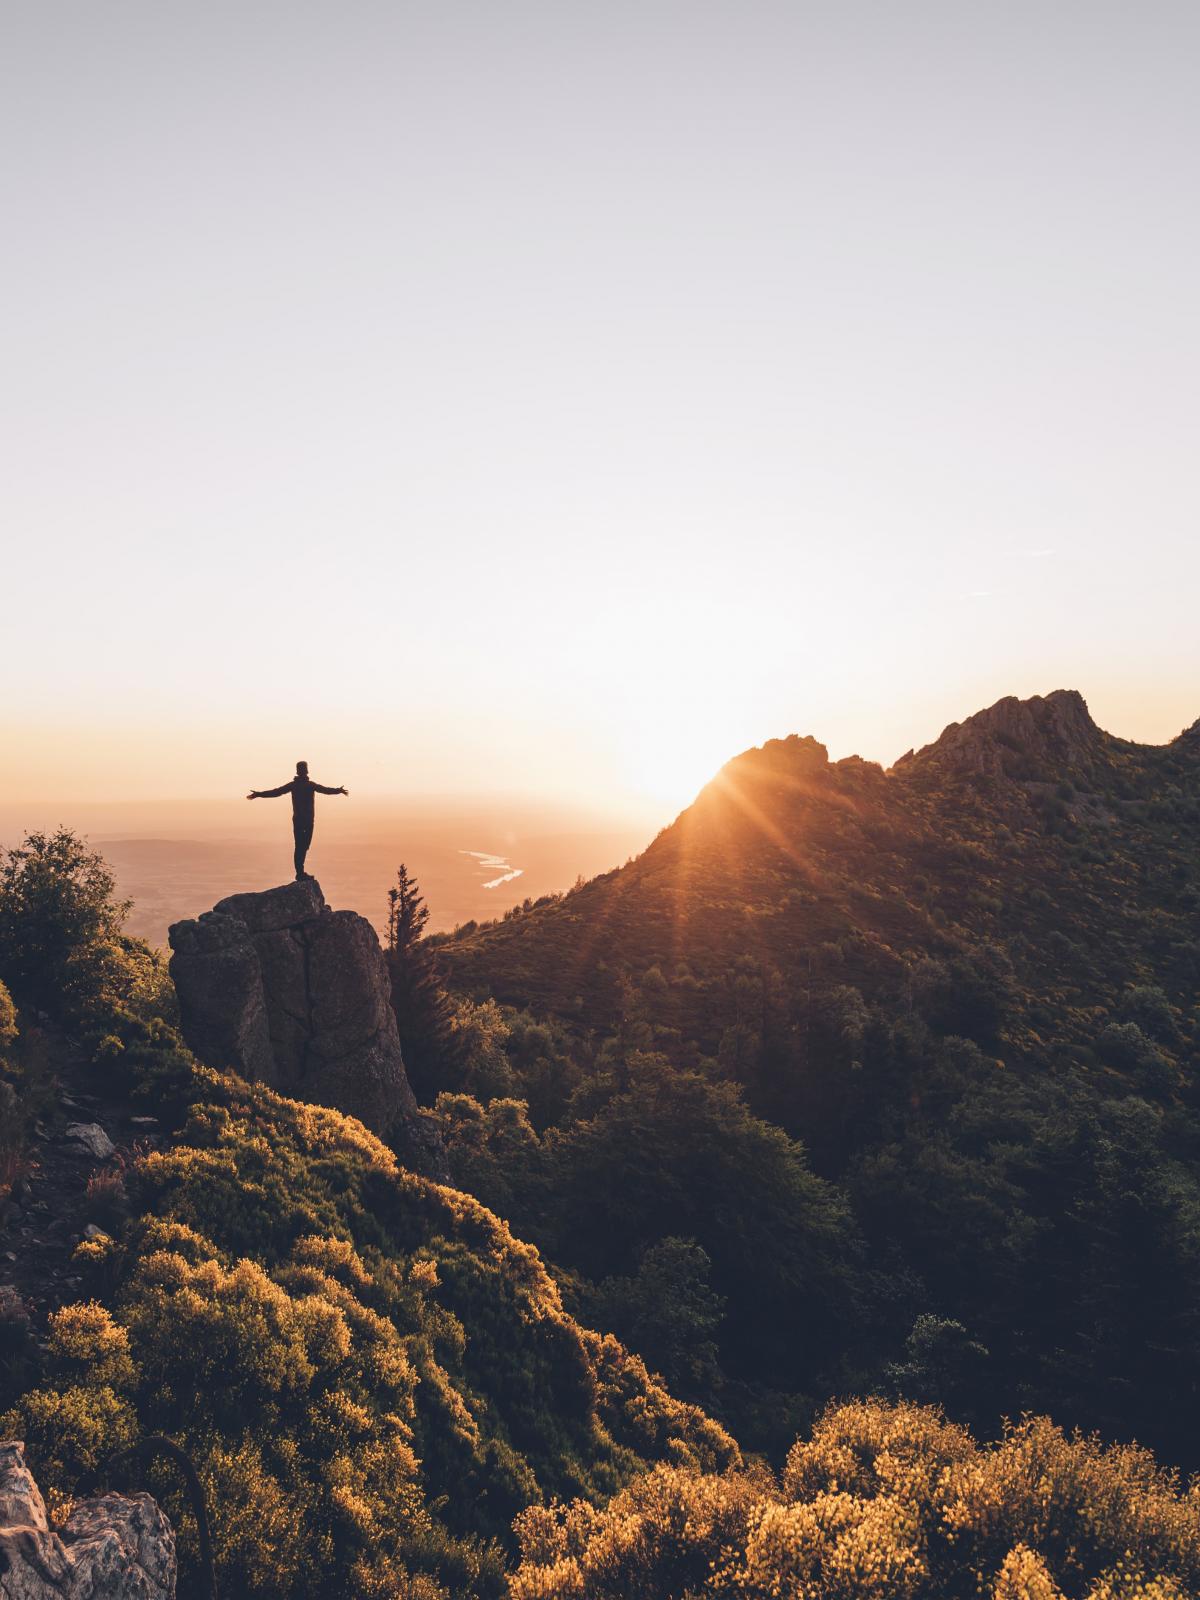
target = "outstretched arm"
x: 322, y: 789
x: 269, y: 794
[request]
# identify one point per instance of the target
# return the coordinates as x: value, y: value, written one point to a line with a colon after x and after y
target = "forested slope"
x: 962, y: 991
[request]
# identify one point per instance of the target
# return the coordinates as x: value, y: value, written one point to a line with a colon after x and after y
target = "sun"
x: 677, y: 690
x: 671, y: 759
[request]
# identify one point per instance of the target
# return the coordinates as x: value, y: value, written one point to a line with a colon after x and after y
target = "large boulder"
x: 113, y: 1547
x: 283, y: 989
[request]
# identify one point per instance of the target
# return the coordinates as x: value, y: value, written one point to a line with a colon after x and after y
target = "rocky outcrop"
x: 91, y: 1137
x: 113, y: 1547
x: 286, y: 991
x: 1044, y: 738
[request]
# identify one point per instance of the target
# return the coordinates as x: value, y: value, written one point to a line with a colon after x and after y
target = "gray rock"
x: 113, y: 1547
x: 284, y: 990
x: 285, y: 907
x: 92, y: 1137
x: 222, y: 1009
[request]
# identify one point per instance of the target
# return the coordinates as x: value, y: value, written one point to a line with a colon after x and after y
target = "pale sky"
x: 562, y: 397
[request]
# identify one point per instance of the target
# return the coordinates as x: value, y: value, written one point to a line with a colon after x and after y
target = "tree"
x: 60, y: 923
x: 667, y: 1313
x: 677, y: 1156
x: 424, y: 1011
x: 942, y: 1365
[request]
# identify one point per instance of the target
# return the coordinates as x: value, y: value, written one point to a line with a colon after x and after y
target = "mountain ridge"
x: 1021, y: 780
x: 965, y: 986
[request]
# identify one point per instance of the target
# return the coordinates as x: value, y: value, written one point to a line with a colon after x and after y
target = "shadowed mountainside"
x: 1024, y: 830
x: 964, y: 988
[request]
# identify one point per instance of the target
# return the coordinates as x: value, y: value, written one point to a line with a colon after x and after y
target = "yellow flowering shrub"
x: 868, y: 1449
x: 1023, y: 1576
x: 92, y: 1254
x: 661, y: 1536
x: 69, y: 1432
x: 838, y: 1544
x: 86, y: 1345
x: 882, y: 1502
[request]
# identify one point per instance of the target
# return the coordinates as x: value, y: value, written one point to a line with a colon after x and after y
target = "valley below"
x: 473, y: 862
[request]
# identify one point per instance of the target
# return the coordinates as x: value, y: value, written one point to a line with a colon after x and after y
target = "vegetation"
x: 424, y: 1013
x: 60, y: 927
x: 13, y: 1114
x: 373, y: 1376
x: 965, y: 993
x: 711, y: 1207
x: 883, y: 1502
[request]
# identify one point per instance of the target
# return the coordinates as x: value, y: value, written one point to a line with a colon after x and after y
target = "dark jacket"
x: 302, y: 791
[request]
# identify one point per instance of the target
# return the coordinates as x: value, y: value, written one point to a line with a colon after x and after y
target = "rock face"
x: 1051, y: 735
x: 92, y: 1137
x: 286, y: 991
x: 113, y: 1547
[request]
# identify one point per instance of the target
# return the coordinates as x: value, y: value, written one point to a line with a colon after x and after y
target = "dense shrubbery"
x: 8, y: 1022
x: 974, y: 1003
x: 995, y: 1201
x: 669, y: 1189
x: 62, y: 949
x: 344, y: 1345
x: 882, y: 1503
x: 12, y: 1119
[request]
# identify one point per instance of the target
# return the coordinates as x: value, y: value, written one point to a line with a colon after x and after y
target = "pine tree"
x: 424, y: 1011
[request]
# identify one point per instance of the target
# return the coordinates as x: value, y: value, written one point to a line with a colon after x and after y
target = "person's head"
x: 302, y: 769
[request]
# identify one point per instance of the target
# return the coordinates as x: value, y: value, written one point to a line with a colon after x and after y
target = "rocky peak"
x: 282, y: 989
x: 796, y: 757
x: 1043, y: 738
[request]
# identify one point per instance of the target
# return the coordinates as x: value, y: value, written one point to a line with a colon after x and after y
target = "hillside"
x: 1026, y: 829
x: 371, y: 1375
x: 964, y: 988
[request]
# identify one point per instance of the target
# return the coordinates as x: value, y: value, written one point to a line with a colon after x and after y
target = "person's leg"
x: 303, y: 832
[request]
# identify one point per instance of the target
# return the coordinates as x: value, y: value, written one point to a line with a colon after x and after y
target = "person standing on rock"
x: 302, y: 790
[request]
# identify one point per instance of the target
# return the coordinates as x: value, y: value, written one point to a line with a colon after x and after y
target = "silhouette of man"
x: 302, y: 789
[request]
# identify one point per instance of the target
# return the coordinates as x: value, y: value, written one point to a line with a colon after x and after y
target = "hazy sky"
x: 566, y: 396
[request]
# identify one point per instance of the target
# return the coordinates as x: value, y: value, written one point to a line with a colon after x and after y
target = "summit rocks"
x: 287, y: 991
x: 1047, y: 737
